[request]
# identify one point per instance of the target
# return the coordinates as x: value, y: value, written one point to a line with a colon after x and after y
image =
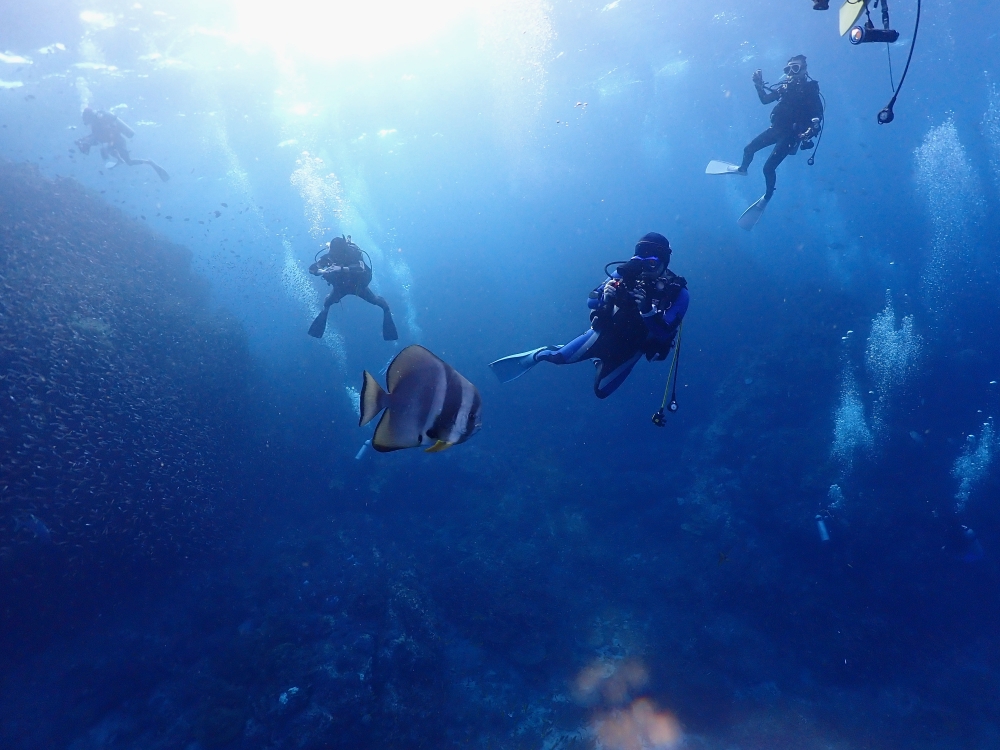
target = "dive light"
x: 868, y: 33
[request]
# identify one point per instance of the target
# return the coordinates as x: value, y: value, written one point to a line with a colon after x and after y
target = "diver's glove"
x: 812, y: 130
x: 758, y: 78
x: 331, y: 270
x: 639, y: 296
x: 610, y: 292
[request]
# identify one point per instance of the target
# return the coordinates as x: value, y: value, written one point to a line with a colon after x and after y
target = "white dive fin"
x: 752, y: 215
x: 722, y: 167
x: 515, y: 365
x: 850, y: 12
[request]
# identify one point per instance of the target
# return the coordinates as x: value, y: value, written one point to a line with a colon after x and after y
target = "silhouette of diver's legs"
x: 782, y: 149
x: 768, y: 138
x: 615, y: 355
x: 389, y: 332
x: 334, y: 297
x: 575, y: 351
x: 607, y: 383
x: 369, y: 296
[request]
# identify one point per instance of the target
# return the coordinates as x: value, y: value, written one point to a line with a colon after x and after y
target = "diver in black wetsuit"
x: 795, y: 119
x: 108, y: 132
x: 344, y: 268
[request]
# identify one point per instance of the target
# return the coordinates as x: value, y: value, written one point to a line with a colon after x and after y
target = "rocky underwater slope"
x: 123, y: 431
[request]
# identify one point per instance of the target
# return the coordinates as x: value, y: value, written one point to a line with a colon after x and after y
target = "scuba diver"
x: 108, y: 132
x: 344, y: 268
x: 637, y: 311
x: 795, y: 120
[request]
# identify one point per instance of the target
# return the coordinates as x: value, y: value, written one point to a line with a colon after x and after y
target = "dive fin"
x: 752, y: 215
x: 850, y: 12
x: 319, y: 325
x: 515, y: 365
x: 722, y: 167
x: 389, y: 332
x: 159, y: 170
x: 373, y: 399
x: 439, y: 446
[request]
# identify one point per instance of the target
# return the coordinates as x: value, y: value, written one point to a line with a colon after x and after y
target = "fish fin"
x: 439, y: 446
x: 373, y: 399
x: 412, y: 357
x: 385, y: 439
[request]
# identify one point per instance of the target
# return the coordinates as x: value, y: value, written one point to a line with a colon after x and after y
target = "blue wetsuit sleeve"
x: 662, y: 326
x: 596, y: 299
x: 672, y: 317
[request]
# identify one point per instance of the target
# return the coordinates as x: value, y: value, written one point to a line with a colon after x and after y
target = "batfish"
x: 428, y: 403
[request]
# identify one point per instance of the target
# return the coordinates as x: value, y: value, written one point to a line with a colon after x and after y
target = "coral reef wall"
x: 124, y: 395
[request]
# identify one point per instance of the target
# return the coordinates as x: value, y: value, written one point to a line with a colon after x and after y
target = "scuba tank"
x: 125, y: 129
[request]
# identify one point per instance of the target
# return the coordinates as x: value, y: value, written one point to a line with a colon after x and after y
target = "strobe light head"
x: 869, y: 34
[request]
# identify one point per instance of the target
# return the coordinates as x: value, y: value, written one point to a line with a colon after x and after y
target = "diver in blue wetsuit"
x: 636, y: 312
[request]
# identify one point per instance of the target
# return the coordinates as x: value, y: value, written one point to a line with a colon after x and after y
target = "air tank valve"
x: 824, y: 535
x: 364, y: 447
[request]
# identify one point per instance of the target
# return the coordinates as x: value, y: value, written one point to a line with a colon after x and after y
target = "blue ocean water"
x: 191, y: 555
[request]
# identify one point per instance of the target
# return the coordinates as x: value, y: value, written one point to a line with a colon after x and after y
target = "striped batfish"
x: 428, y: 403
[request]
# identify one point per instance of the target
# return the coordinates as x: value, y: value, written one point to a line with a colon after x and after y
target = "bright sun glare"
x: 332, y: 30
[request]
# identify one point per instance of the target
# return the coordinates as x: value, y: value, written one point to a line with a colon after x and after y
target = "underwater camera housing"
x: 869, y: 34
x: 630, y: 271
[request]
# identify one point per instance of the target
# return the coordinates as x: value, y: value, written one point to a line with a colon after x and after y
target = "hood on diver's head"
x: 88, y: 116
x: 338, y: 243
x: 653, y: 245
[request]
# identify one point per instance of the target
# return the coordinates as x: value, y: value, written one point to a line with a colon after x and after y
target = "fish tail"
x: 373, y: 399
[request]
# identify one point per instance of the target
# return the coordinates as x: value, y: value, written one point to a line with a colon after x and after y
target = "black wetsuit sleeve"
x: 767, y: 96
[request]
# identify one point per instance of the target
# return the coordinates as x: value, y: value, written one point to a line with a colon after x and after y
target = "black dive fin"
x: 319, y: 325
x: 389, y: 332
x: 159, y: 170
